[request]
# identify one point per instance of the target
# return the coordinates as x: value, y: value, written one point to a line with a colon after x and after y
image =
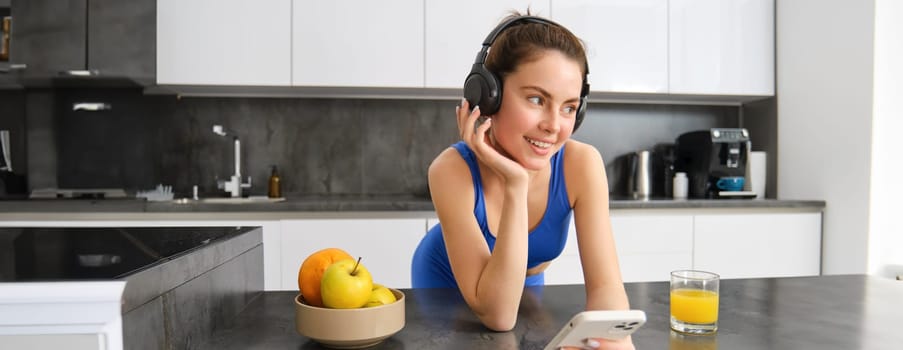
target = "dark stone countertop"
x: 399, y: 203
x: 152, y: 260
x: 824, y: 312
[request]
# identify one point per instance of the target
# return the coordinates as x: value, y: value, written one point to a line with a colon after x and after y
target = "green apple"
x: 380, y: 296
x: 346, y: 284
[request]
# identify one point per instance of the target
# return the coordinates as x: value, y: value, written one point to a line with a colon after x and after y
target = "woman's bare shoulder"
x: 449, y: 161
x: 581, y: 152
x: 584, y: 170
x: 448, y: 173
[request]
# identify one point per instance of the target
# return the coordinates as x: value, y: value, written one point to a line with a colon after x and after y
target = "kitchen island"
x: 825, y: 312
x: 179, y: 283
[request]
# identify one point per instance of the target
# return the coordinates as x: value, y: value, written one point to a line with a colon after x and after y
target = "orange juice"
x: 694, y: 305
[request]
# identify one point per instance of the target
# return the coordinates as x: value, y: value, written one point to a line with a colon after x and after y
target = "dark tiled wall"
x: 321, y: 146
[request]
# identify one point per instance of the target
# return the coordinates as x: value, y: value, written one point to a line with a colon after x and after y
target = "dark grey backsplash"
x: 321, y: 146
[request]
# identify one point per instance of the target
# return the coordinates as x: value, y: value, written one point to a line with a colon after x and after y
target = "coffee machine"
x: 708, y: 156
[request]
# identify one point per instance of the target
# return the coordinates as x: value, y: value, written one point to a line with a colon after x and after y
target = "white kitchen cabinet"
x: 758, y: 245
x: 651, y: 244
x: 626, y: 42
x: 224, y: 42
x: 385, y: 245
x: 649, y: 247
x: 79, y: 315
x: 455, y: 31
x: 357, y: 43
x: 721, y: 47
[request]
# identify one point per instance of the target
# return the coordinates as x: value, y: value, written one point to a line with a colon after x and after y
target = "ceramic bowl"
x: 350, y: 328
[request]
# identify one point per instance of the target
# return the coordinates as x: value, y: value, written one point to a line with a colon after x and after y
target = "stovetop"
x: 89, y: 253
x: 77, y: 193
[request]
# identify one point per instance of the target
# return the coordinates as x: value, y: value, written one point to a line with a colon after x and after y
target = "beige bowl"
x: 349, y: 328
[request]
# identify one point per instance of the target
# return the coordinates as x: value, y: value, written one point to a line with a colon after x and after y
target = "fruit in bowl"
x: 350, y: 328
x: 380, y: 295
x: 346, y: 284
x: 351, y: 312
x: 311, y: 272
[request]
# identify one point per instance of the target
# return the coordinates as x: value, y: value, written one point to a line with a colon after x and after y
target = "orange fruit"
x: 311, y: 272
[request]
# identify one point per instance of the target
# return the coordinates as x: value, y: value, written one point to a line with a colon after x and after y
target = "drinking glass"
x: 694, y: 301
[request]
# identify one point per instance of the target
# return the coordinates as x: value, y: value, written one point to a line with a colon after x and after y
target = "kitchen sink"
x: 242, y: 200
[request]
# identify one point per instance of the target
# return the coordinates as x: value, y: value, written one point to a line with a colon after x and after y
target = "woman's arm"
x: 491, y: 282
x: 598, y: 256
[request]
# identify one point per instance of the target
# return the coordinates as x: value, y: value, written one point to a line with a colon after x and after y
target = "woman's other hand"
x: 475, y: 136
x: 603, y: 344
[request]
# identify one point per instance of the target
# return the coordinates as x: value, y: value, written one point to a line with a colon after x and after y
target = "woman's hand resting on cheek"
x: 604, y: 344
x: 476, y: 137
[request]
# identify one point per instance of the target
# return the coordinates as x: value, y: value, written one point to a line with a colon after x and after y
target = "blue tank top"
x: 430, y: 267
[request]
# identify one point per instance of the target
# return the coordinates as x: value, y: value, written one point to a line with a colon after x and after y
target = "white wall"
x: 824, y: 97
x: 886, y: 228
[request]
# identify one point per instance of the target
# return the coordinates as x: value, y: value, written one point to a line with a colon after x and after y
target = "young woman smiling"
x: 505, y: 194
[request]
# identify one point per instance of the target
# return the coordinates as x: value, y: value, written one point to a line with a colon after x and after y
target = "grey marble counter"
x: 825, y: 312
x: 181, y: 300
x: 349, y: 203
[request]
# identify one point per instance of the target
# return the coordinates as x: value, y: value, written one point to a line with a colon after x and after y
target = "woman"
x: 506, y: 192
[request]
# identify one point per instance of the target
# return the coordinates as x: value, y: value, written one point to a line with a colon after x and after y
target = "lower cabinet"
x: 650, y: 247
x: 386, y: 246
x: 651, y: 244
x: 758, y: 245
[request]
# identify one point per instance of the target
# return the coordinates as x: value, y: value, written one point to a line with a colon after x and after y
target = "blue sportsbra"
x: 430, y: 266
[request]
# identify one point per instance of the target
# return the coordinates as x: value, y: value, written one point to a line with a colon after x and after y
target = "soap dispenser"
x: 275, y: 189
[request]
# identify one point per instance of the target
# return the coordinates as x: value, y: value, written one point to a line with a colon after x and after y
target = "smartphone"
x: 608, y: 324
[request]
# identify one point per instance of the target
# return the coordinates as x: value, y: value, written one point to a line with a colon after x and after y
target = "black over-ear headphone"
x: 483, y: 88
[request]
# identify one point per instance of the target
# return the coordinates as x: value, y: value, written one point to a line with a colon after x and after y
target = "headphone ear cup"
x: 581, y: 111
x: 482, y: 88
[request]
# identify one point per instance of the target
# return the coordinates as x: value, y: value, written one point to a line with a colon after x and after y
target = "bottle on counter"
x: 5, y: 33
x: 275, y: 189
x: 680, y: 185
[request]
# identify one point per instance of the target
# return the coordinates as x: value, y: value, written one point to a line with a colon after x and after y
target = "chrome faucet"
x: 234, y: 185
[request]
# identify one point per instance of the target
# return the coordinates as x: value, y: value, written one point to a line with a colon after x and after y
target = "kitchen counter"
x: 153, y: 260
x: 181, y: 282
x: 825, y: 312
x: 25, y: 209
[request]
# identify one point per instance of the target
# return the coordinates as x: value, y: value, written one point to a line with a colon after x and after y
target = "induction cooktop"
x: 31, y: 254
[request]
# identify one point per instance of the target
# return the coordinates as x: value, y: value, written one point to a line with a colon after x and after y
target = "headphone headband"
x: 481, y: 56
x: 484, y: 88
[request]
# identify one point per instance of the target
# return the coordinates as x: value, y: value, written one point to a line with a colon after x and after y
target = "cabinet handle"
x: 13, y: 67
x: 91, y: 106
x: 80, y: 73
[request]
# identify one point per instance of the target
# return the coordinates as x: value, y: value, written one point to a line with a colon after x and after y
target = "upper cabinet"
x: 626, y: 42
x: 721, y: 47
x: 357, y: 43
x: 224, y: 42
x: 455, y: 33
x: 666, y: 49
x: 56, y: 38
x: 679, y: 47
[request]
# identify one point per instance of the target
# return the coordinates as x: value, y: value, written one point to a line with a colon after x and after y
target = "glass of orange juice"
x: 694, y: 301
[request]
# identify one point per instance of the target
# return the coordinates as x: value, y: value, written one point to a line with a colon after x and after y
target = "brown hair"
x: 525, y: 41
